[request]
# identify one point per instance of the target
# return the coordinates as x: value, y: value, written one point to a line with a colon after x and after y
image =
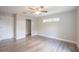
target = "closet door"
x: 6, y: 29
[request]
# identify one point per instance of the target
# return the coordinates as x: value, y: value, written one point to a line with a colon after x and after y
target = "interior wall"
x: 78, y: 27
x: 65, y: 29
x: 6, y: 26
x: 34, y: 26
x: 20, y: 26
x: 21, y: 29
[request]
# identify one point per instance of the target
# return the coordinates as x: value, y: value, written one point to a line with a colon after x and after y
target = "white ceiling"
x: 23, y: 9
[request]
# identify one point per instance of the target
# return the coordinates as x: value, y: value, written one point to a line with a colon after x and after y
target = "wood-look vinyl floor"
x: 37, y: 44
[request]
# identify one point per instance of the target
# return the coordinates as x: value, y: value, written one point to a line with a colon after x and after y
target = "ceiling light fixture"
x: 37, y: 9
x: 38, y: 12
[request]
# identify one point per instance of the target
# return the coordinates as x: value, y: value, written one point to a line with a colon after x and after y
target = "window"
x: 51, y: 20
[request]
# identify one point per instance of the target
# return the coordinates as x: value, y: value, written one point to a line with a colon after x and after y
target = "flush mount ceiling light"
x: 37, y: 9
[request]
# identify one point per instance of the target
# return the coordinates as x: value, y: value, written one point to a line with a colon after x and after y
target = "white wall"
x: 65, y: 29
x: 20, y: 26
x: 34, y: 26
x: 21, y: 30
x: 78, y: 27
x: 6, y: 26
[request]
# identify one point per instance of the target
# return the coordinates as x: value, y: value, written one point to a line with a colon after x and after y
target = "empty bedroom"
x: 39, y: 28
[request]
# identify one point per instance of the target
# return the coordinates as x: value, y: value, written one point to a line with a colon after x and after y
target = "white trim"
x: 57, y: 38
x: 19, y: 37
x: 34, y: 34
x: 6, y: 38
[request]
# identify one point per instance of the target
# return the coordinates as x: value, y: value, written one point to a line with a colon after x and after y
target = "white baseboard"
x: 20, y: 37
x: 6, y: 38
x: 34, y: 34
x: 57, y: 38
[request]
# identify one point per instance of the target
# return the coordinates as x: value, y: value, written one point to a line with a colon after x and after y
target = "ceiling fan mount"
x: 40, y: 9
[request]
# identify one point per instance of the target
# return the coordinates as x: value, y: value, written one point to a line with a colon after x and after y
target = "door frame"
x: 27, y: 27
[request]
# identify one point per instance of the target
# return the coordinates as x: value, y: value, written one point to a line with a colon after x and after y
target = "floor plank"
x: 37, y: 44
